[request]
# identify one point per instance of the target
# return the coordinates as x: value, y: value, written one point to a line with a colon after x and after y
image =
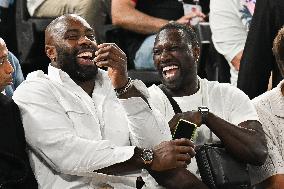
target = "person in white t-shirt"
x: 226, y: 114
x: 229, y: 23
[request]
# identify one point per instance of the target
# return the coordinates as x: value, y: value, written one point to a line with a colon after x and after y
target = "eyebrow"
x: 77, y: 30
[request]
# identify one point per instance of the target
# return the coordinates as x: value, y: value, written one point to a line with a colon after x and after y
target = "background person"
x: 11, y: 75
x: 270, y: 106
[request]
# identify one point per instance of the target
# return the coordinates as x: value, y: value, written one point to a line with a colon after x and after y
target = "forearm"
x: 146, y: 125
x: 179, y: 178
x: 126, y: 16
x: 273, y: 182
x: 246, y: 141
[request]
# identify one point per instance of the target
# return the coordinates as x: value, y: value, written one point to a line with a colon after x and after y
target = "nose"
x: 85, y: 40
x: 165, y: 56
x: 8, y: 68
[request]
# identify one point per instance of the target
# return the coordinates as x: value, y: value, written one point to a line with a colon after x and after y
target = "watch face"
x: 203, y: 109
x: 147, y: 155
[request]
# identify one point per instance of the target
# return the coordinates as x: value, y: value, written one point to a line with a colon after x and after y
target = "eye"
x: 156, y: 52
x: 174, y: 48
x: 91, y: 37
x: 72, y: 37
x: 4, y: 59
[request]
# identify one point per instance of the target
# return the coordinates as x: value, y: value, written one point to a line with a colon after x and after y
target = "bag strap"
x: 172, y: 101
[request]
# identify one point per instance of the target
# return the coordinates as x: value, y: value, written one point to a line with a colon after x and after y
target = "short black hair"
x: 278, y: 45
x: 189, y: 32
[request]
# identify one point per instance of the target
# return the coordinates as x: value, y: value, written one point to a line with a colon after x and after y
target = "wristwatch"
x: 204, y: 112
x: 147, y: 156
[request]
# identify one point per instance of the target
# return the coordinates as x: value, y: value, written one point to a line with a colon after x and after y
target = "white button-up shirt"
x: 71, y: 134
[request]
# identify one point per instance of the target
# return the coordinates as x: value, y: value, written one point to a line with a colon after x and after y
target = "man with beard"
x: 81, y: 133
x: 221, y: 111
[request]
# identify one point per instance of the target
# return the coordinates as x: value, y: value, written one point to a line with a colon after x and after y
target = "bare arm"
x: 273, y: 182
x: 126, y: 16
x: 179, y: 178
x: 245, y: 141
x: 236, y: 61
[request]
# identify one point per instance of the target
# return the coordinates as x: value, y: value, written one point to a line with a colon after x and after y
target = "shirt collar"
x: 277, y: 102
x: 57, y: 74
x: 101, y: 82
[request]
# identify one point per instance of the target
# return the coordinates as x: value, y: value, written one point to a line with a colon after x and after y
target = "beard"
x: 68, y: 63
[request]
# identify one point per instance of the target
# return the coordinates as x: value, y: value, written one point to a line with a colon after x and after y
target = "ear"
x: 196, y: 54
x: 51, y: 52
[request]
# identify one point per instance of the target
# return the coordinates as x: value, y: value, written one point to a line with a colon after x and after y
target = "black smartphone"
x: 185, y: 129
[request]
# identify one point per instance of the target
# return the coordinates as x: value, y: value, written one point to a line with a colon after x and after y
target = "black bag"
x: 219, y: 170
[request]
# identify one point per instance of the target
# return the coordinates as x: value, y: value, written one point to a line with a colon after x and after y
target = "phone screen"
x: 184, y: 129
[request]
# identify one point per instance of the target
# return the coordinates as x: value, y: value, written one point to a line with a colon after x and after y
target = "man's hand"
x: 186, y: 18
x: 172, y: 154
x: 192, y: 116
x: 237, y: 60
x: 111, y: 56
x: 6, y: 78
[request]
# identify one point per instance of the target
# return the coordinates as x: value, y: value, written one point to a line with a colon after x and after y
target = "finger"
x: 181, y: 164
x: 183, y: 157
x: 183, y: 142
x: 109, y: 55
x: 105, y: 63
x: 186, y: 150
x: 112, y: 46
x: 111, y: 49
x: 183, y: 149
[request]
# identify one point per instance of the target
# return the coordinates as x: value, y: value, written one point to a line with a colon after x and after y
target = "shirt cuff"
x: 134, y: 105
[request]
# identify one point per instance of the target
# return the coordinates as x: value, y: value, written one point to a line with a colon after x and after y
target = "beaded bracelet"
x: 125, y: 88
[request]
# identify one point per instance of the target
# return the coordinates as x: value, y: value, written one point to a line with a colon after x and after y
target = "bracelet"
x: 124, y: 89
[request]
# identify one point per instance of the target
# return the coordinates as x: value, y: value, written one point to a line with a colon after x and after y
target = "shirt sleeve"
x: 228, y: 31
x: 147, y: 126
x: 237, y: 106
x: 50, y: 133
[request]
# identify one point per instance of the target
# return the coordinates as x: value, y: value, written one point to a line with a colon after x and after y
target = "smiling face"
x: 174, y: 60
x: 71, y: 42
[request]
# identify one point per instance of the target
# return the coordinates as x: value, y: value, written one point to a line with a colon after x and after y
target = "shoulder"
x: 267, y: 101
x: 37, y: 83
x: 13, y: 59
x: 155, y: 92
x: 5, y: 101
x: 225, y: 89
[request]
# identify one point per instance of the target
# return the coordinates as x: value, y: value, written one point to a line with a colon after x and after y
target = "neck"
x: 187, y: 89
x: 87, y: 86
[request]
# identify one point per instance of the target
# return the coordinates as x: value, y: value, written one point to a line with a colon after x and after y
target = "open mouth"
x: 170, y: 72
x: 86, y: 58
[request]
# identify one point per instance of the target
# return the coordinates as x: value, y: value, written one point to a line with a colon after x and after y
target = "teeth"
x: 85, y: 54
x: 170, y: 75
x: 167, y: 68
